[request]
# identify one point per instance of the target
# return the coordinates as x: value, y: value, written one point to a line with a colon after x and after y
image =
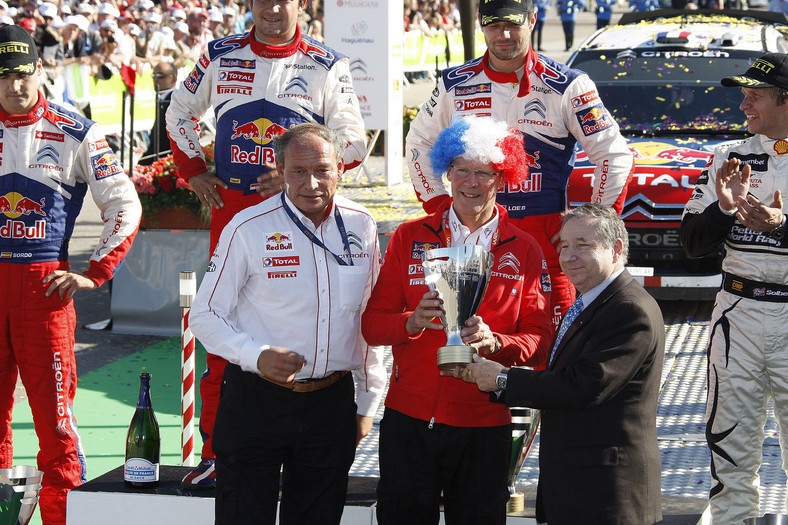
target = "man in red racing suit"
x: 553, y: 106
x: 260, y: 84
x: 50, y: 158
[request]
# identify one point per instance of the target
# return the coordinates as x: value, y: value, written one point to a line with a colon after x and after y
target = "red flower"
x: 165, y: 183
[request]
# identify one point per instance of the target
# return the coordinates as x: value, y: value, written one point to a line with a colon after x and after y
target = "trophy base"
x: 455, y: 355
x: 516, y: 502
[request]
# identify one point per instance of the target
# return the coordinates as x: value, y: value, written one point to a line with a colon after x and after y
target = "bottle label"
x: 140, y: 470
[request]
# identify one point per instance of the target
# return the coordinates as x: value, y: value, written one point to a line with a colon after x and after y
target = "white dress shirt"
x: 461, y: 234
x: 594, y: 292
x: 268, y: 285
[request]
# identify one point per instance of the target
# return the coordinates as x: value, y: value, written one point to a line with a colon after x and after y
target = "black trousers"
x: 468, y: 464
x: 262, y: 427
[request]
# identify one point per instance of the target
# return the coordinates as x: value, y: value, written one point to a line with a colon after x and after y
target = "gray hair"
x: 297, y: 134
x: 606, y: 223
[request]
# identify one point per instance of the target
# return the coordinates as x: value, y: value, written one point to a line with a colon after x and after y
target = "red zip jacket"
x: 514, y: 306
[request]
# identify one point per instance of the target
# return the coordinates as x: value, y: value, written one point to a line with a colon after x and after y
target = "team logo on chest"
x: 279, y: 241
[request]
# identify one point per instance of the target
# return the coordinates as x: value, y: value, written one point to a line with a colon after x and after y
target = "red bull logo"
x: 666, y: 153
x: 233, y: 62
x: 14, y: 205
x: 262, y: 131
x: 532, y: 161
x: 106, y: 165
x: 593, y: 120
x: 531, y: 184
x: 279, y: 241
x: 105, y: 160
x: 593, y: 115
x: 684, y: 155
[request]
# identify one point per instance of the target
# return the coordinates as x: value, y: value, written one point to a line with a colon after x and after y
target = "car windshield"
x: 667, y: 92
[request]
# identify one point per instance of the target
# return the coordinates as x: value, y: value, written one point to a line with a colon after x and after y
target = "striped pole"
x: 188, y: 289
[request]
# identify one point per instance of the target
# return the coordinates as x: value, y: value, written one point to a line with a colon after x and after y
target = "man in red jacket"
x: 439, y: 434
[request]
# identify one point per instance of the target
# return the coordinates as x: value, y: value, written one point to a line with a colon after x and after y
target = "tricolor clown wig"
x: 485, y: 140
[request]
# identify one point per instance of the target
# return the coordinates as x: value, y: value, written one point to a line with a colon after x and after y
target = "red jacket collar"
x: 35, y: 114
x: 435, y: 221
x: 531, y: 64
x: 268, y: 51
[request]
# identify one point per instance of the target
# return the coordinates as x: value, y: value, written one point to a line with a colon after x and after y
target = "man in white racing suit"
x: 738, y: 204
x: 553, y: 106
x: 260, y: 84
x: 49, y: 159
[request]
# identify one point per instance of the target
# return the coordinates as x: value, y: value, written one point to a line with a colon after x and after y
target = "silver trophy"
x: 460, y: 274
x: 19, y: 488
x: 525, y: 421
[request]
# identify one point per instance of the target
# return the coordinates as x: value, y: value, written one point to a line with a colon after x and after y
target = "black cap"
x: 514, y: 11
x: 17, y: 51
x: 771, y: 70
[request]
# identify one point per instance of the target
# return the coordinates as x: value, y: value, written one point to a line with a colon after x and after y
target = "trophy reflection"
x: 525, y: 421
x: 460, y: 274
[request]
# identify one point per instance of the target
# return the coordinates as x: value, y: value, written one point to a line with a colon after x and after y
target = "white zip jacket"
x: 268, y: 284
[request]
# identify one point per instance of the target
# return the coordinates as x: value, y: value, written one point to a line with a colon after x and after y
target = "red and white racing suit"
x: 49, y: 158
x: 748, y: 340
x: 257, y: 92
x: 554, y: 107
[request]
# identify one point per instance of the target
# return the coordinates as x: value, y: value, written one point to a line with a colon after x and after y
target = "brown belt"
x: 310, y: 385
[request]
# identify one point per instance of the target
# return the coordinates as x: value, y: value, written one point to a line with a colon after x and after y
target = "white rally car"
x: 658, y: 74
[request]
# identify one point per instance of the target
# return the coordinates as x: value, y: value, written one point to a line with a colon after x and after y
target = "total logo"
x: 269, y: 262
x: 473, y: 103
x: 14, y: 205
x: 261, y: 131
x: 278, y: 242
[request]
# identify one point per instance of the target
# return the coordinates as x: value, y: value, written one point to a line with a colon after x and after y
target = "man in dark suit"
x: 598, y: 456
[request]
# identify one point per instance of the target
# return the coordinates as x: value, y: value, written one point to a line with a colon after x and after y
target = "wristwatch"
x: 500, y: 381
x: 779, y: 232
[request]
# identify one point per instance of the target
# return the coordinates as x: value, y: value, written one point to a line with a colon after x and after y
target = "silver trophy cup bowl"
x: 19, y: 488
x: 460, y: 274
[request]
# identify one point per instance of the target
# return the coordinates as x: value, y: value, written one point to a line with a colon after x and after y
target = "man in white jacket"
x: 282, y: 302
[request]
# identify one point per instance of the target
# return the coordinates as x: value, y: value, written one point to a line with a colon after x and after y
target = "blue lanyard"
x: 315, y: 240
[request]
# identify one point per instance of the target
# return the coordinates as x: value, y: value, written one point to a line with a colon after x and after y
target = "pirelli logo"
x: 14, y: 47
x: 763, y: 65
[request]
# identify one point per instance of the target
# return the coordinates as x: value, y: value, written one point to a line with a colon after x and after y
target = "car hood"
x: 666, y: 170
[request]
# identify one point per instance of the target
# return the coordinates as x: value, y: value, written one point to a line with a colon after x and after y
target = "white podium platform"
x: 107, y: 500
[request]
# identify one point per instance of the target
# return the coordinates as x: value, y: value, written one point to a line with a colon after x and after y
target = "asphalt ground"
x: 109, y: 363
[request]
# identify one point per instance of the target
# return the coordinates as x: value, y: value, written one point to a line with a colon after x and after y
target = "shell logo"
x: 781, y: 146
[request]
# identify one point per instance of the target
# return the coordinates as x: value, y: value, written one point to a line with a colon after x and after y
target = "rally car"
x: 658, y: 74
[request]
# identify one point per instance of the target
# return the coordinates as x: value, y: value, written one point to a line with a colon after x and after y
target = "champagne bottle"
x: 143, y: 443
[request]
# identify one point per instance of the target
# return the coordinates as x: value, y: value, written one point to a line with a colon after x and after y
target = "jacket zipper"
x: 435, y: 405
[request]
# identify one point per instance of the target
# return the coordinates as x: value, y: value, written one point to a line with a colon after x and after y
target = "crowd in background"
x: 106, y: 36
x: 432, y: 16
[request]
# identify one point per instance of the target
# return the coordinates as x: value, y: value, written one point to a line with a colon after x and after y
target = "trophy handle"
x: 525, y: 422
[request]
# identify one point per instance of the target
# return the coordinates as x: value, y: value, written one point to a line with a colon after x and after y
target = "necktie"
x: 570, y: 316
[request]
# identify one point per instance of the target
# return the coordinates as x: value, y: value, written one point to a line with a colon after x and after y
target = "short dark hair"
x: 297, y: 132
x: 607, y: 224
